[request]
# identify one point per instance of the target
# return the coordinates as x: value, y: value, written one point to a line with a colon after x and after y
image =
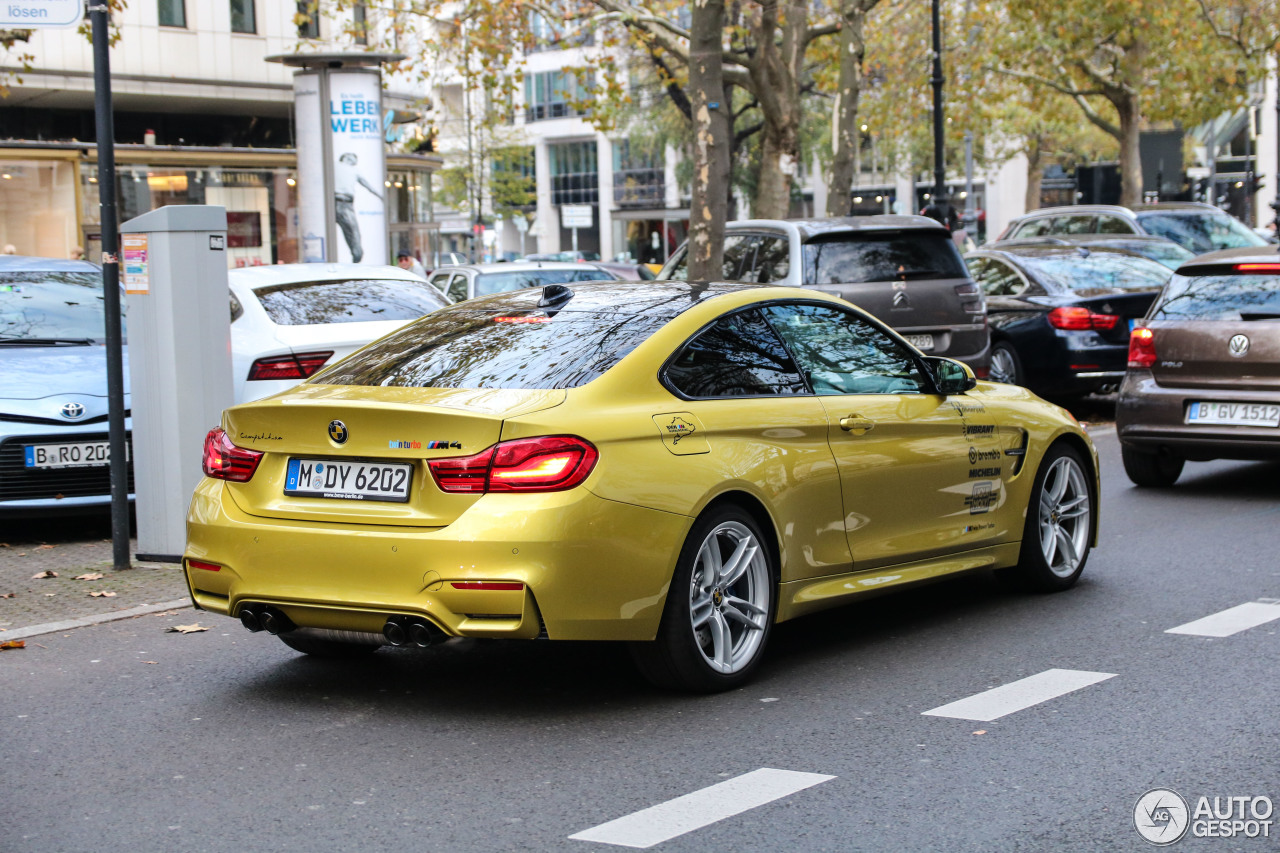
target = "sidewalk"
x: 41, y: 601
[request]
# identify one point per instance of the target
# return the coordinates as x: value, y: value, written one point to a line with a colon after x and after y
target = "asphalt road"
x: 124, y: 737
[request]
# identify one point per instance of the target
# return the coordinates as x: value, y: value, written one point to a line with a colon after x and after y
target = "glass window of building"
x: 556, y: 94
x: 574, y: 173
x: 638, y: 176
x: 360, y: 22
x: 243, y: 17
x: 172, y: 13
x: 309, y: 19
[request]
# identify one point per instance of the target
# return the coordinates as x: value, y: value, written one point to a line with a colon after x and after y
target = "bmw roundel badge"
x: 338, y: 432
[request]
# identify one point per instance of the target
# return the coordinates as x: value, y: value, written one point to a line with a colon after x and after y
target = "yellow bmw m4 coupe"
x: 678, y: 466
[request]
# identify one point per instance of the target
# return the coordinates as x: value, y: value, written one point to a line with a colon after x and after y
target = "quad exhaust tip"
x: 260, y: 617
x: 412, y: 631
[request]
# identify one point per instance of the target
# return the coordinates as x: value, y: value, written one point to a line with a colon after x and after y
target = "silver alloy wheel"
x: 1003, y: 367
x: 1064, y: 517
x: 729, y: 597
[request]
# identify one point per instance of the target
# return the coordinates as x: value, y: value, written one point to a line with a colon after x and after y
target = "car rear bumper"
x: 1153, y: 418
x: 590, y: 568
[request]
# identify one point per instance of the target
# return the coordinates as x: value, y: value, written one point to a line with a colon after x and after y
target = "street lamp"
x: 939, y: 174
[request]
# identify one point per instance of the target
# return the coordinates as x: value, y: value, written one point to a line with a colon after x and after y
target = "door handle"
x: 856, y: 423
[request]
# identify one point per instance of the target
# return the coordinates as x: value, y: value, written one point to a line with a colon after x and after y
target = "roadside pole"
x: 111, y: 286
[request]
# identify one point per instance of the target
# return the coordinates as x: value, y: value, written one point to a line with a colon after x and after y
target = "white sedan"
x: 289, y: 320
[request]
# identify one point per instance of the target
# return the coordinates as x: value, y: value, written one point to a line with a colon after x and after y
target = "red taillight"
x: 296, y: 366
x: 549, y: 463
x: 200, y: 564
x: 1077, y: 318
x: 224, y: 461
x: 1257, y: 268
x: 1142, y: 348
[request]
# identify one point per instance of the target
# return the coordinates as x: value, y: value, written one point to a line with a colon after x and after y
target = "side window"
x: 739, y: 356
x: 1034, y: 228
x: 739, y: 256
x: 458, y: 288
x: 237, y: 310
x: 1114, y: 225
x: 773, y: 259
x: 1075, y: 224
x: 679, y: 271
x: 440, y: 281
x: 996, y: 278
x: 841, y: 353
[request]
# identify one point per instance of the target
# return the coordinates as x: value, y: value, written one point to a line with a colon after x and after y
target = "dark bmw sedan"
x: 1060, y: 316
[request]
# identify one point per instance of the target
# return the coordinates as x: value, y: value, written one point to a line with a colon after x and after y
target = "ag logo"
x: 1161, y: 816
x: 338, y: 432
x: 1238, y: 346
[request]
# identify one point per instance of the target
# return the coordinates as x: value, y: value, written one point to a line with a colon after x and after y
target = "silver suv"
x: 1196, y: 226
x: 905, y: 270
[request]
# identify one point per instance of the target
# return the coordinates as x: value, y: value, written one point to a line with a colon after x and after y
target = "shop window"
x: 172, y: 13
x: 243, y: 17
x: 574, y: 173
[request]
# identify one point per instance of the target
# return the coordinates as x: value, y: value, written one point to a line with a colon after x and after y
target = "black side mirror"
x: 950, y: 376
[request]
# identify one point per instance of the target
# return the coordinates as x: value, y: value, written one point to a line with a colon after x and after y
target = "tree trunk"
x: 1130, y: 153
x: 1035, y: 172
x: 846, y: 138
x: 775, y: 76
x: 710, y: 142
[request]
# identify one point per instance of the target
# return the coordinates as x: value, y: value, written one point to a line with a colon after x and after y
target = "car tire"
x: 1151, y: 470
x: 1058, y: 533
x: 1005, y: 367
x: 324, y: 648
x: 720, y: 607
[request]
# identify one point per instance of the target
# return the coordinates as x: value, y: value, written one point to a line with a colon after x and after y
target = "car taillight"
x: 970, y: 298
x: 1077, y: 318
x: 224, y: 461
x: 295, y: 366
x: 1142, y: 348
x: 548, y: 463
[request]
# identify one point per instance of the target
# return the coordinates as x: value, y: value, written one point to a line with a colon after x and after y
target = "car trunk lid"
x: 378, y: 425
x: 1229, y: 354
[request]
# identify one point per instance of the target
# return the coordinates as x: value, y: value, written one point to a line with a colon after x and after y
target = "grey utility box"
x: 174, y: 265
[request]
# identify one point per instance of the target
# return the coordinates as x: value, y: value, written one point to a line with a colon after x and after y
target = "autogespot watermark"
x: 1163, y: 817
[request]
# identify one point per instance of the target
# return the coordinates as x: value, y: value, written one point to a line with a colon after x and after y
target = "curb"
x: 83, y: 622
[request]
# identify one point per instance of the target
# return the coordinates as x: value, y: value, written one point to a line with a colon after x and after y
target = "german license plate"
x: 76, y: 454
x: 1239, y: 414
x: 920, y: 342
x: 350, y: 481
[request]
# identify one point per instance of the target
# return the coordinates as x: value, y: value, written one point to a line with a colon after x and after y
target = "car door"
x: 915, y: 467
x: 744, y: 403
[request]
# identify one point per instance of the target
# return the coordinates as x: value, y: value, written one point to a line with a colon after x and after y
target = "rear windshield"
x: 881, y: 256
x: 467, y: 348
x: 1220, y: 297
x: 1170, y: 255
x: 1200, y: 232
x: 348, y: 301
x: 1097, y: 270
x: 488, y: 284
x: 52, y: 307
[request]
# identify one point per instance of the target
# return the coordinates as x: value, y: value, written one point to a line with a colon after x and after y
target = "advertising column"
x: 359, y: 165
x: 313, y: 207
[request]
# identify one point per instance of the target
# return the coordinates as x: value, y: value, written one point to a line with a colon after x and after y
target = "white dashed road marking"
x: 667, y: 820
x: 1231, y: 621
x: 1017, y: 695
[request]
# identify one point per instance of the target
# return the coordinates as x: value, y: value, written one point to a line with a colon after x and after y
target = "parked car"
x: 1060, y: 316
x: 676, y: 466
x: 54, y: 451
x: 471, y: 280
x: 905, y: 270
x: 569, y: 256
x: 1196, y: 226
x: 289, y: 320
x: 1204, y: 369
x: 1158, y: 249
x: 626, y: 272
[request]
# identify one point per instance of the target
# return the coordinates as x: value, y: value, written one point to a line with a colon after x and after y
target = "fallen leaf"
x: 980, y: 732
x: 185, y: 629
x: 13, y: 644
x: 50, y: 594
x: 148, y: 661
x: 42, y: 574
x: 103, y: 594
x: 93, y: 576
x: 9, y: 595
x: 45, y: 547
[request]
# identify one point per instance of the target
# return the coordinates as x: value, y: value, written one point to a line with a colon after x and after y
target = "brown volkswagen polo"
x: 1204, y: 368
